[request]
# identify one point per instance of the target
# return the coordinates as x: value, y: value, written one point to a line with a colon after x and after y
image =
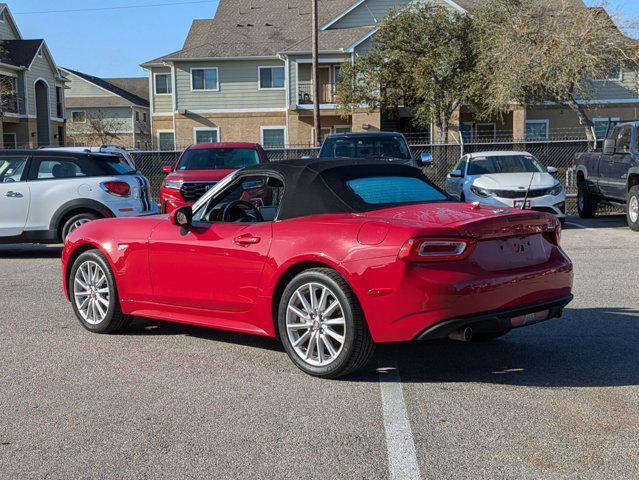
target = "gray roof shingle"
x: 127, y: 95
x: 19, y: 53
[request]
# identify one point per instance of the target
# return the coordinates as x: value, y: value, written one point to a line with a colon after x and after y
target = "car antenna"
x: 523, y: 205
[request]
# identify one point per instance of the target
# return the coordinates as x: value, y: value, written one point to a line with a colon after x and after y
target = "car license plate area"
x: 522, y: 204
x: 529, y: 318
x: 509, y: 253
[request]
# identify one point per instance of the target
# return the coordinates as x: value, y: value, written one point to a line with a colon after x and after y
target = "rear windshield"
x: 394, y: 190
x: 218, y: 158
x: 114, y: 165
x: 504, y: 164
x: 383, y: 146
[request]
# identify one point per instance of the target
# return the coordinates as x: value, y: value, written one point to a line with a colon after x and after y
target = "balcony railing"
x: 327, y: 94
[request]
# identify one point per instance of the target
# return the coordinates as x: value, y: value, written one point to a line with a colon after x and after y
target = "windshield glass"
x: 382, y: 190
x: 504, y: 164
x: 115, y: 165
x: 217, y: 158
x: 384, y: 146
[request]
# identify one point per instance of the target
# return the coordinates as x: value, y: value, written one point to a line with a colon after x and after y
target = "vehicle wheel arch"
x: 633, y: 178
x: 79, y: 250
x: 75, y: 207
x: 581, y: 174
x: 291, y: 272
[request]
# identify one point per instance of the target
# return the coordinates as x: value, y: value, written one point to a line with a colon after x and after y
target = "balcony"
x: 328, y: 97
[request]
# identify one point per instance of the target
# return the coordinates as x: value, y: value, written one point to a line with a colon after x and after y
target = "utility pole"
x: 317, y: 123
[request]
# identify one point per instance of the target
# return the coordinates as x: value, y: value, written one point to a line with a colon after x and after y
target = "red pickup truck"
x: 203, y: 165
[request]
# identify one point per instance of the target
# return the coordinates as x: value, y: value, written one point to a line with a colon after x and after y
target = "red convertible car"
x: 330, y: 256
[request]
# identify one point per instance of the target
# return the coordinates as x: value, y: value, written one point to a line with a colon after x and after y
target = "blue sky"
x: 112, y: 43
x: 109, y: 43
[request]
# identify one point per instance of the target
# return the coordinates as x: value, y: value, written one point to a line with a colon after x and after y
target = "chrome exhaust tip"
x: 464, y: 334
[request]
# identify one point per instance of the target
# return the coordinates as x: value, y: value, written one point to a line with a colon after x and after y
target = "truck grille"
x: 520, y: 193
x: 192, y: 191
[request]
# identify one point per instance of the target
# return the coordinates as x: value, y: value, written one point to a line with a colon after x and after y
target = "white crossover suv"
x: 44, y: 195
x: 511, y: 179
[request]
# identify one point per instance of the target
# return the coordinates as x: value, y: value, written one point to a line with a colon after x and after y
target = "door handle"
x: 12, y: 194
x: 247, y: 239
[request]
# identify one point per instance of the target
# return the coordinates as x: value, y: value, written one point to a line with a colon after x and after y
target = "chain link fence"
x: 551, y: 153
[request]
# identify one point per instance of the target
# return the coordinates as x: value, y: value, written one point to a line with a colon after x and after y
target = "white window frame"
x: 79, y: 111
x: 158, y: 132
x: 155, y: 85
x: 335, y: 127
x: 606, y: 119
x: 40, y: 52
x: 217, y: 74
x: 540, y: 121
x: 264, y: 128
x: 613, y: 79
x: 207, y: 129
x: 259, y: 77
x: 3, y: 14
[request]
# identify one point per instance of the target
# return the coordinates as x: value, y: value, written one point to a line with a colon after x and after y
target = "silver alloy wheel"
x: 91, y: 292
x: 633, y: 209
x: 315, y: 324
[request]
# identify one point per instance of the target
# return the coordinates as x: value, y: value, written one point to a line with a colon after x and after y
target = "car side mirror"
x: 609, y: 146
x: 426, y: 160
x: 552, y: 170
x: 456, y: 174
x: 167, y: 169
x: 182, y: 217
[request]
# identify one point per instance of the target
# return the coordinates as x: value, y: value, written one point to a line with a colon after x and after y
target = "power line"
x: 124, y: 7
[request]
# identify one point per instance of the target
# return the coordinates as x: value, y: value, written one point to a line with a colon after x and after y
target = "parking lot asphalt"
x: 555, y: 400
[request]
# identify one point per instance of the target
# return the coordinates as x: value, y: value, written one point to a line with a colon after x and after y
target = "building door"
x: 43, y: 113
x: 325, y: 85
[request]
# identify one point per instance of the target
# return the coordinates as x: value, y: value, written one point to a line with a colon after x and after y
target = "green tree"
x: 531, y: 52
x: 422, y: 59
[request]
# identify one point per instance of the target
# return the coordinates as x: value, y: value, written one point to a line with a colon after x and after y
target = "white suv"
x: 44, y: 195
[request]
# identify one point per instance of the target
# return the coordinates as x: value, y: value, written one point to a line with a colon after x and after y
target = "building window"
x: 204, y: 79
x: 342, y: 129
x: 163, y: 84
x: 79, y: 117
x: 10, y: 140
x: 58, y: 99
x: 206, y: 135
x: 615, y: 74
x: 137, y: 116
x: 271, y: 78
x: 40, y: 52
x: 273, y: 137
x: 537, y: 130
x: 2, y: 17
x: 604, y: 126
x: 166, y: 141
x: 144, y: 117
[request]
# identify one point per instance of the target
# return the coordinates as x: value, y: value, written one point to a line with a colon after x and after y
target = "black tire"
x: 587, y: 203
x: 70, y: 224
x: 488, y: 336
x: 114, y: 320
x: 358, y: 346
x: 562, y: 221
x: 631, y: 205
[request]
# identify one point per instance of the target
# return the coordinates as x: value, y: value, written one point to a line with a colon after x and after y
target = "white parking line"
x: 402, y: 457
x: 613, y: 231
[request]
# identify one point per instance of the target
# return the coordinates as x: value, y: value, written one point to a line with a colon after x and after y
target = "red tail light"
x: 121, y: 189
x: 436, y: 249
x: 554, y: 237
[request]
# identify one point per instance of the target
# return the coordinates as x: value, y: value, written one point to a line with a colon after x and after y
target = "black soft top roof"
x: 313, y: 187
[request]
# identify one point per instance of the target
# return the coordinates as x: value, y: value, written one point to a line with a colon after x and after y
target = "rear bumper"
x: 497, y: 321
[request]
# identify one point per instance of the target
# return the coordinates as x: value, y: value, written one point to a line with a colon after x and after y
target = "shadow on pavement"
x: 601, y: 221
x: 29, y: 250
x: 596, y: 347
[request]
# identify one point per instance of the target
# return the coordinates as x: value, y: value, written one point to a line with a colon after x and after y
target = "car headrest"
x: 62, y: 170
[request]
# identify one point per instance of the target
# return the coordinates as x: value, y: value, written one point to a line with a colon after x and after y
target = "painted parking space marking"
x: 402, y: 457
